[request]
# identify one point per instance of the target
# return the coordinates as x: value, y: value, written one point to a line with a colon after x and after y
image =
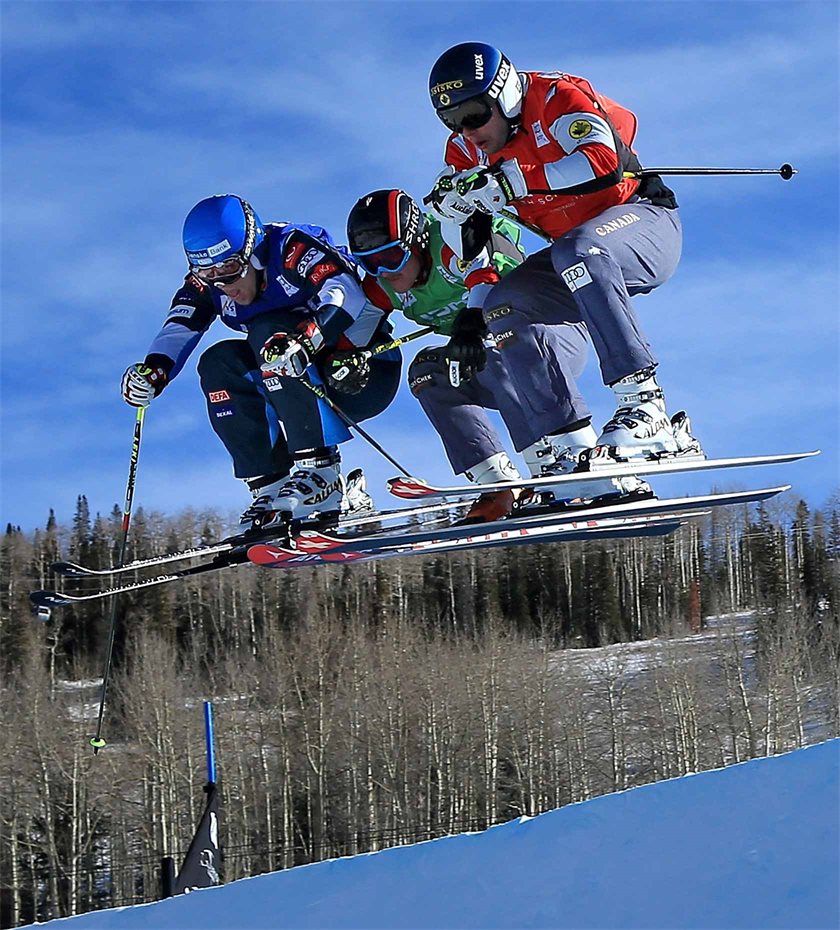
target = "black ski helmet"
x: 473, y: 69
x: 384, y: 217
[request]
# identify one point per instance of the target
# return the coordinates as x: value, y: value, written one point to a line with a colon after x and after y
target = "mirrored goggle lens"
x: 471, y: 114
x: 223, y: 273
x: 391, y: 258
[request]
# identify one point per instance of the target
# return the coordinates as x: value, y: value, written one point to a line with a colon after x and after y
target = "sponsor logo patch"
x: 223, y: 412
x: 182, y: 311
x: 580, y: 129
x: 626, y: 219
x: 228, y: 306
x: 218, y: 397
x: 312, y: 255
x: 208, y: 256
x: 420, y: 382
x: 444, y: 86
x: 288, y: 288
x: 321, y: 271
x: 497, y: 313
x: 295, y: 251
x: 218, y: 248
x: 539, y: 135
x: 272, y: 382
x: 499, y: 80
x: 576, y: 276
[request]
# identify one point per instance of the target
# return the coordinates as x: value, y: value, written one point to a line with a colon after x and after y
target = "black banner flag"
x: 202, y: 863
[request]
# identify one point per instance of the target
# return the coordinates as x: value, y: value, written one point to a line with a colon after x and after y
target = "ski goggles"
x: 471, y: 114
x: 389, y: 258
x: 222, y: 273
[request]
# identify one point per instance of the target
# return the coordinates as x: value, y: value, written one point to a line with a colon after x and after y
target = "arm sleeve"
x: 376, y: 294
x: 190, y: 314
x: 340, y: 303
x: 474, y: 263
x: 591, y: 160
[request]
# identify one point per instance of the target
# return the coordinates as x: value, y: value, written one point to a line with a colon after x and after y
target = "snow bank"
x: 754, y: 845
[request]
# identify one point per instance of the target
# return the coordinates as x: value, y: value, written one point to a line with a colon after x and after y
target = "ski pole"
x: 321, y: 394
x: 97, y: 741
x: 342, y: 372
x: 786, y: 171
x: 514, y: 217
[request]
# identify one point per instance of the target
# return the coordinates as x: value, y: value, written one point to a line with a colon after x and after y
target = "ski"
x: 269, y: 556
x: 235, y: 556
x: 315, y: 541
x: 74, y: 570
x: 414, y: 488
x: 646, y: 516
x: 315, y: 547
x: 407, y: 514
x: 290, y: 557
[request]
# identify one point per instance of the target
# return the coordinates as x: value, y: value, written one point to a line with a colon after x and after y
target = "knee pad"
x: 422, y: 369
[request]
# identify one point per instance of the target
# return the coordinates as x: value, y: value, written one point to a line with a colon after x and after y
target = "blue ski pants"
x: 263, y: 421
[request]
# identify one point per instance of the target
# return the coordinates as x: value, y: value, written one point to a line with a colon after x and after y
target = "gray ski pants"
x: 459, y: 415
x: 587, y: 275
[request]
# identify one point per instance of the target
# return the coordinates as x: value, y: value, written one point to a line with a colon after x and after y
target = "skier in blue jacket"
x: 288, y: 286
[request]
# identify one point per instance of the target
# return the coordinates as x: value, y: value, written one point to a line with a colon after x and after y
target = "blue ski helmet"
x: 473, y: 69
x: 219, y: 228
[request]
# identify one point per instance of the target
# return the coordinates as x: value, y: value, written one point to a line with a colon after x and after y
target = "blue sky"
x: 118, y: 117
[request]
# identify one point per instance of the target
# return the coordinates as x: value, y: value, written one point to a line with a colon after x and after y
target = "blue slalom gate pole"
x: 208, y: 736
x: 202, y: 864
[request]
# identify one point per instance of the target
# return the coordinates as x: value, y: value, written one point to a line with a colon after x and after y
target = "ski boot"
x: 640, y: 427
x: 494, y: 505
x: 315, y: 488
x: 563, y: 453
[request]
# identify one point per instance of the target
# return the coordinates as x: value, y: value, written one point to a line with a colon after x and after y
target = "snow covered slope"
x: 754, y: 845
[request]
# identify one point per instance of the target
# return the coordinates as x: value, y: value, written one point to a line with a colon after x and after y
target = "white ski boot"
x: 315, y: 487
x: 640, y: 426
x: 561, y: 454
x: 496, y: 504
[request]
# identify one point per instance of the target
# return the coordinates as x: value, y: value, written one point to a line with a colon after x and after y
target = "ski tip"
x: 408, y: 487
x: 67, y: 568
x: 48, y: 599
x: 267, y: 554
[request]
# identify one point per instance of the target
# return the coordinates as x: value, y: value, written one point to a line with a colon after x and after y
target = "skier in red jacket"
x: 556, y: 152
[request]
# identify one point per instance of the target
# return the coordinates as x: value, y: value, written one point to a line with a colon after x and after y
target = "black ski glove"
x: 347, y: 372
x: 465, y: 350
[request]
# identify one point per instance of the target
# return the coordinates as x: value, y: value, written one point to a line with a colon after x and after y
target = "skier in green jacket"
x: 426, y: 270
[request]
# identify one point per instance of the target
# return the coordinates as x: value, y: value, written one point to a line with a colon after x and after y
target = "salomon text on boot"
x: 315, y: 488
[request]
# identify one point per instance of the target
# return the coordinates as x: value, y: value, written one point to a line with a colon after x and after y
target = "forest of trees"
x: 367, y: 705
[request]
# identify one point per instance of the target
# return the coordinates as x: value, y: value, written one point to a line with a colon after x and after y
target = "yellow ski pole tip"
x: 97, y: 743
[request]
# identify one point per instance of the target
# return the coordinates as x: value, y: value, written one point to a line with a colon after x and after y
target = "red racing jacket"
x: 568, y: 155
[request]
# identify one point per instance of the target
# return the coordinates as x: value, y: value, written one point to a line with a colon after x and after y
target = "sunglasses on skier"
x: 471, y: 114
x: 389, y: 258
x: 222, y: 273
